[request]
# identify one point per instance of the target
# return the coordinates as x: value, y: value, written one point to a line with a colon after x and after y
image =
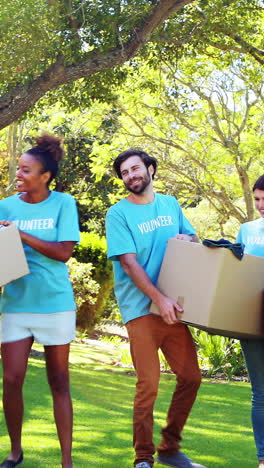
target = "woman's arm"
x: 61, y: 251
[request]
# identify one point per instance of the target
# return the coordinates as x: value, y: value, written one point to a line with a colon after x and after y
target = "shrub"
x: 219, y: 354
x: 86, y: 291
x: 92, y: 250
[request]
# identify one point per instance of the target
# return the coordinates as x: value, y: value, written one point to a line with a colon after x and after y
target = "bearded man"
x: 138, y: 228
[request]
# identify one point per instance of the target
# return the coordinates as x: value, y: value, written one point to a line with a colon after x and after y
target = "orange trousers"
x: 147, y: 335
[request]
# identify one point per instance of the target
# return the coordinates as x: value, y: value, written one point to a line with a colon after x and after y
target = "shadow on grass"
x: 218, y: 433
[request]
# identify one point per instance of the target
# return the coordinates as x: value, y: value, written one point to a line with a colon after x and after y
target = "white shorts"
x: 47, y: 329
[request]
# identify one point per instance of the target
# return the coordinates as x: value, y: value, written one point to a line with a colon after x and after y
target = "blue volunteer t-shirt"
x: 251, y: 236
x: 46, y: 289
x: 143, y: 230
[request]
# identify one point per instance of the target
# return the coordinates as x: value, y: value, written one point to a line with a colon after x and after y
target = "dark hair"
x: 48, y: 152
x: 145, y: 158
x: 259, y: 184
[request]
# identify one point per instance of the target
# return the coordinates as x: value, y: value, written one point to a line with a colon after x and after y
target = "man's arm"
x: 168, y: 308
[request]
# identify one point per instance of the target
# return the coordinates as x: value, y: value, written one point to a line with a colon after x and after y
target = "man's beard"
x: 143, y: 183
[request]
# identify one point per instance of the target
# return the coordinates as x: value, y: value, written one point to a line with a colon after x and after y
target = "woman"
x: 40, y: 306
x: 251, y: 236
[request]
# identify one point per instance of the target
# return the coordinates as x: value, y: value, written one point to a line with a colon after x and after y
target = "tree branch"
x: 16, y: 102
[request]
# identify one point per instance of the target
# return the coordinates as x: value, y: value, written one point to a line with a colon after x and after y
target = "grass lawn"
x: 218, y: 433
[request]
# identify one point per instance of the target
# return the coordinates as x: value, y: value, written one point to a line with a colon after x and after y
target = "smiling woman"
x: 38, y: 167
x: 40, y: 306
x: 30, y: 176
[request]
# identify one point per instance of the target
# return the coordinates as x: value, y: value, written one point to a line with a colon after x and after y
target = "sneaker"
x: 178, y: 460
x: 143, y: 464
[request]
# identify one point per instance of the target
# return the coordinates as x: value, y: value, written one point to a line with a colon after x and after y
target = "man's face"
x: 135, y: 175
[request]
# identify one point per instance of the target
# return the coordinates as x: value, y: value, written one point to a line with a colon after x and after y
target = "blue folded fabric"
x: 237, y: 249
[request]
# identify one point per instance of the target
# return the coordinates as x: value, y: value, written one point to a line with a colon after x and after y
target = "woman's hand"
x: 5, y: 223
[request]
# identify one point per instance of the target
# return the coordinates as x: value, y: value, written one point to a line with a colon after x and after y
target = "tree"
x: 90, y: 41
x: 205, y: 126
x: 79, y: 132
x: 11, y: 144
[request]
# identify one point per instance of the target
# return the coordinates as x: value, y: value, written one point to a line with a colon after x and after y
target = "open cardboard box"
x: 13, y: 263
x: 219, y: 293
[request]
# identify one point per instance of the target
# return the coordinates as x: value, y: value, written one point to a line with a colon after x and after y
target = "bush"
x: 92, y: 250
x: 219, y: 354
x: 86, y: 291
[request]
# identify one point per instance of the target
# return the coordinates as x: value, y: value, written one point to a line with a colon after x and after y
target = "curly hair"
x: 49, y: 152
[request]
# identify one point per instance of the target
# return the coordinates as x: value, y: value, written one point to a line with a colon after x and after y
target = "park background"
x: 183, y: 80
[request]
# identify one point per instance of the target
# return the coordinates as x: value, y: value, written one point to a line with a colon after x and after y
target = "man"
x: 138, y: 228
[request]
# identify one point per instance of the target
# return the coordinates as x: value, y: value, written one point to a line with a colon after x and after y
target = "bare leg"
x: 14, y: 362
x: 58, y: 378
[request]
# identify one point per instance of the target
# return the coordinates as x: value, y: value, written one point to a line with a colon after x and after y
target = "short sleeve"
x: 239, y: 239
x: 119, y: 237
x: 185, y: 226
x: 68, y: 223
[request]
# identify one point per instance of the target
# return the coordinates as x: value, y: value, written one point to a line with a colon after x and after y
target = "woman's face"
x: 259, y: 201
x: 29, y: 176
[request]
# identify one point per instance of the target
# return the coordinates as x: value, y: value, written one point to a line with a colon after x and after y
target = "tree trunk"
x: 13, y: 146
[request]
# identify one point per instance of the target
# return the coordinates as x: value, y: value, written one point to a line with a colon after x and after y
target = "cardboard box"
x: 13, y: 262
x: 219, y: 293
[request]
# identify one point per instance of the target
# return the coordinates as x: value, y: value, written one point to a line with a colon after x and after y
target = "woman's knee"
x: 59, y: 383
x: 12, y: 380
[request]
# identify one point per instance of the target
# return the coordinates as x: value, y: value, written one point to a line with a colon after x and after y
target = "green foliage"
x: 121, y: 350
x: 204, y: 125
x: 79, y: 33
x: 27, y: 50
x: 92, y: 249
x: 210, y: 224
x: 218, y: 354
x: 80, y: 132
x: 86, y: 291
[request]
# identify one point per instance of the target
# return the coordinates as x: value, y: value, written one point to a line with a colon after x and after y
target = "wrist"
x: 158, y: 299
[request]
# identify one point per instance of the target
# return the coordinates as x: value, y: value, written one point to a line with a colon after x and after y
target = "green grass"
x: 218, y: 433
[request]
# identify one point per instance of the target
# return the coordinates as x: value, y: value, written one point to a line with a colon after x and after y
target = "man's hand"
x: 184, y: 237
x: 187, y: 237
x: 169, y: 309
